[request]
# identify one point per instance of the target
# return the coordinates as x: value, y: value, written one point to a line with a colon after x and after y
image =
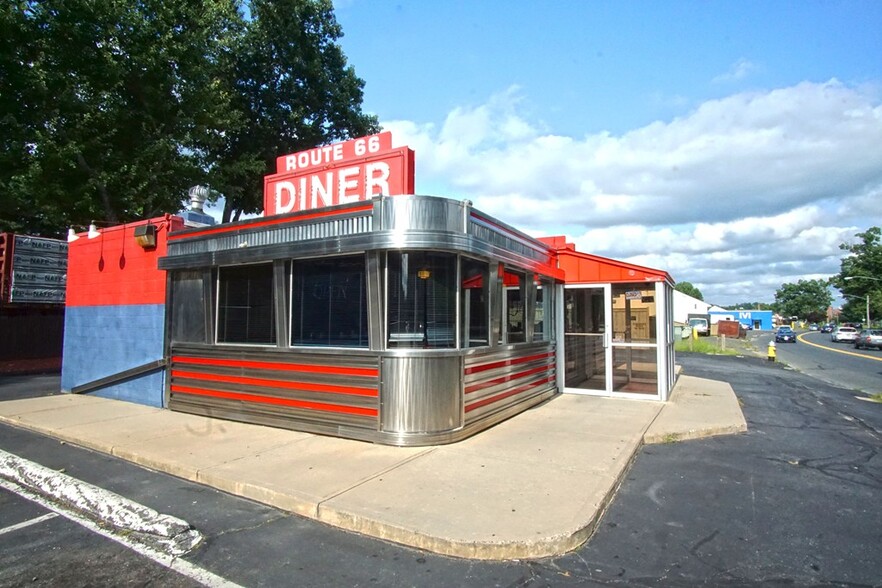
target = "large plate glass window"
x: 421, y: 299
x: 245, y: 309
x: 329, y: 302
x: 474, y: 308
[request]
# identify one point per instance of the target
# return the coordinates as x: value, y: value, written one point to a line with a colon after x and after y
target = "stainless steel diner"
x: 403, y: 320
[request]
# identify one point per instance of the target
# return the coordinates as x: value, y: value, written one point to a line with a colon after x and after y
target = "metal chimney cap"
x: 198, y: 196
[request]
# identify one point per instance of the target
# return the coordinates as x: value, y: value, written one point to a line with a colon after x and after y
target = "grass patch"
x: 702, y: 346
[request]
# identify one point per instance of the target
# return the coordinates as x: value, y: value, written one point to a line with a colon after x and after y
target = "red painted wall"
x: 112, y: 269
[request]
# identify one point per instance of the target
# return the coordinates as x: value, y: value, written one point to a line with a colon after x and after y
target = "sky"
x: 734, y: 144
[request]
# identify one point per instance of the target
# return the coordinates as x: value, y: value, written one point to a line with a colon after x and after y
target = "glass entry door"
x: 587, y: 333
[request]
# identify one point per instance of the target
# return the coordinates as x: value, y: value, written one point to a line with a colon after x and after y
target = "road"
x: 835, y: 363
x: 794, y: 501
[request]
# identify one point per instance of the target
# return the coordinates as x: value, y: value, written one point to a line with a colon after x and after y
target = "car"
x: 868, y: 338
x: 843, y: 334
x: 785, y: 335
x: 828, y: 328
x: 813, y: 327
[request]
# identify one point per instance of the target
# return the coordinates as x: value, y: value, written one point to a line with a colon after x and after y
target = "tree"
x: 750, y: 306
x: 807, y: 299
x: 688, y: 289
x: 860, y: 275
x: 108, y: 108
x: 294, y: 90
x: 112, y: 110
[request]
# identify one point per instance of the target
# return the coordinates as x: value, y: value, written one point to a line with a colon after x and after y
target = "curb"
x: 164, y: 533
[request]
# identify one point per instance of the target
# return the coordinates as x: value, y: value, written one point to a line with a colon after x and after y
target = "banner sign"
x: 341, y: 173
x: 39, y: 270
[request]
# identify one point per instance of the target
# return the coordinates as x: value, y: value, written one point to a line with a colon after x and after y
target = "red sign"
x: 335, y: 153
x: 341, y: 173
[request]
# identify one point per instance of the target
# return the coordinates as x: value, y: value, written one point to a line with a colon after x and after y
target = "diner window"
x: 329, y: 302
x: 187, y: 307
x: 634, y: 313
x: 515, y: 326
x: 245, y: 309
x: 422, y: 300
x: 475, y: 312
x: 543, y: 318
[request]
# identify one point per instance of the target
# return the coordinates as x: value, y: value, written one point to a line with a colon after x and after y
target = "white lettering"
x: 302, y: 159
x: 281, y: 188
x: 303, y: 203
x: 359, y: 147
x: 347, y: 180
x: 324, y: 190
x: 290, y: 162
x: 338, y: 151
x: 374, y: 144
x: 376, y: 175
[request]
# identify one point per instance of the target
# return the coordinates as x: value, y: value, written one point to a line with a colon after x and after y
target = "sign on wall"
x: 340, y: 173
x: 39, y: 270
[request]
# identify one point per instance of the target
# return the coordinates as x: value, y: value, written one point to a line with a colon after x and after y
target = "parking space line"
x: 852, y: 353
x: 181, y: 566
x: 24, y: 524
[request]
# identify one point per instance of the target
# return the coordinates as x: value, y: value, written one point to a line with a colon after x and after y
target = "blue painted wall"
x: 100, y: 341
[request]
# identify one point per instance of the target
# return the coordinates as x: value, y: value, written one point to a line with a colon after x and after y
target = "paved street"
x: 793, y: 501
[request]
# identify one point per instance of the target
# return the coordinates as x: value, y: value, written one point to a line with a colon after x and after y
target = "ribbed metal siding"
x: 497, y: 380
x: 262, y: 236
x: 320, y: 392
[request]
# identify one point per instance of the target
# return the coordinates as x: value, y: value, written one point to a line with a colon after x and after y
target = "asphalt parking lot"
x: 792, y: 501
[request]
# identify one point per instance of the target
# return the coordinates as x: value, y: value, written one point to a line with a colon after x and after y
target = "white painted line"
x: 25, y: 524
x: 180, y: 566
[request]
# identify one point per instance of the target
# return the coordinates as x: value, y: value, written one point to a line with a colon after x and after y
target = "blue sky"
x: 733, y: 144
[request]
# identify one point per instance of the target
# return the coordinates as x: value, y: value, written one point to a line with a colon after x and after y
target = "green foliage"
x: 294, y: 89
x: 750, y: 306
x: 806, y: 299
x: 860, y: 276
x: 688, y: 289
x: 111, y: 110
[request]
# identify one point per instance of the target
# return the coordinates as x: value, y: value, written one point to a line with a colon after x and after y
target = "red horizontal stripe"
x: 506, y: 394
x: 288, y: 367
x: 320, y: 406
x: 277, y: 383
x: 507, y: 362
x: 270, y: 221
x: 508, y: 378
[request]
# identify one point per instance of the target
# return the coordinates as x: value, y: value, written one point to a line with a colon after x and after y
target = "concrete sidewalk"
x: 535, y: 485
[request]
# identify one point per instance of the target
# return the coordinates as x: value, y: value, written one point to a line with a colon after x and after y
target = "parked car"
x: 785, y: 335
x: 868, y: 338
x: 844, y: 334
x: 828, y: 328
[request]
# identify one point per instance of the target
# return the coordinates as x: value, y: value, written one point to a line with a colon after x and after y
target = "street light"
x: 868, y: 296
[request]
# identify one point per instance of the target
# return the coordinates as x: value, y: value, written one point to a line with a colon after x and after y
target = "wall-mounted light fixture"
x: 145, y: 236
x: 91, y: 234
x: 424, y: 274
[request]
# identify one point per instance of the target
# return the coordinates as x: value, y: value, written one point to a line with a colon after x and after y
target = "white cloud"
x: 740, y: 195
x: 737, y: 71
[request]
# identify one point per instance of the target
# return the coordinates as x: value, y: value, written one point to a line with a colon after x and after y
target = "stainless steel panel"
x: 502, y: 379
x: 420, y: 213
x: 421, y: 394
x: 397, y: 222
x: 290, y: 389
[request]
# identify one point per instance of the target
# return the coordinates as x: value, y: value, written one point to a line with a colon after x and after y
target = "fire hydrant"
x: 772, y: 350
